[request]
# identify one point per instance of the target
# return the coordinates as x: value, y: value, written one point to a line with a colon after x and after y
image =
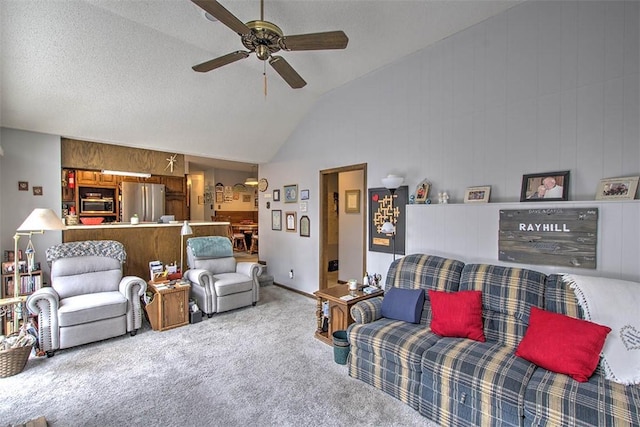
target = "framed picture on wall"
x: 305, y: 226
x: 291, y: 221
x: 304, y: 194
x: 545, y: 187
x: 291, y: 193
x: 276, y: 195
x: 381, y: 211
x: 617, y: 188
x: 276, y: 220
x: 477, y: 194
x: 352, y: 201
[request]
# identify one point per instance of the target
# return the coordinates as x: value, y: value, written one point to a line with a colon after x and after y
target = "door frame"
x: 324, y: 205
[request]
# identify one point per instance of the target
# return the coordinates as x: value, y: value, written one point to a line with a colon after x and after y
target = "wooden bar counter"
x: 145, y: 242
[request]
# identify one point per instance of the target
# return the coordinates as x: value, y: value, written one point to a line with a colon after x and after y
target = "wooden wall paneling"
x: 144, y: 244
x: 77, y: 154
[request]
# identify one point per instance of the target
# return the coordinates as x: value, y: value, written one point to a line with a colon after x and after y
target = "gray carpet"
x: 256, y: 366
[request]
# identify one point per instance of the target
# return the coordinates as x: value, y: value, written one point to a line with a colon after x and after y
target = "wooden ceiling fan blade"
x: 221, y: 61
x: 219, y: 12
x: 287, y: 72
x: 315, y: 41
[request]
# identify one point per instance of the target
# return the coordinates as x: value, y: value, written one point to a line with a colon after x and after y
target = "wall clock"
x: 263, y: 184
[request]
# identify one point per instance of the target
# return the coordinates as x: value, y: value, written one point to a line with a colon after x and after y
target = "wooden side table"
x: 169, y: 307
x: 339, y: 309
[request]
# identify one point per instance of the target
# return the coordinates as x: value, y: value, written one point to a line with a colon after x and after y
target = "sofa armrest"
x: 133, y: 288
x: 367, y: 311
x: 44, y: 303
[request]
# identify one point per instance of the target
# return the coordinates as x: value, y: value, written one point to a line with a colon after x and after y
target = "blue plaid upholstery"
x: 558, y: 400
x: 507, y: 296
x: 367, y: 311
x: 555, y: 399
x: 387, y: 353
x: 466, y: 382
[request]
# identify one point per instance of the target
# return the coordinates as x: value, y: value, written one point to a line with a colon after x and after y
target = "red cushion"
x: 563, y: 344
x: 457, y: 314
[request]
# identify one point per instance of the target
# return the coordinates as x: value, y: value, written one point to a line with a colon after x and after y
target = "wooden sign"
x: 556, y: 236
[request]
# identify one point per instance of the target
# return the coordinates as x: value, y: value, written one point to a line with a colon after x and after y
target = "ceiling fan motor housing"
x: 264, y: 38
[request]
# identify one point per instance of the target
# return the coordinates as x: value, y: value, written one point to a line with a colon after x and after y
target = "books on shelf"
x: 29, y: 283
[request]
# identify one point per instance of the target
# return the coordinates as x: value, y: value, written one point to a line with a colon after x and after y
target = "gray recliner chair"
x: 218, y: 282
x: 88, y: 300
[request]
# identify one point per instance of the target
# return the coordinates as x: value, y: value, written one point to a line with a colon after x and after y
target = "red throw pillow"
x: 457, y: 314
x: 563, y: 344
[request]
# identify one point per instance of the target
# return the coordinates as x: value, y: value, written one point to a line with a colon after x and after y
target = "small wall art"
x: 304, y: 194
x: 23, y: 185
x: 617, y: 188
x: 305, y: 226
x: 276, y: 220
x: 37, y: 191
x: 352, y: 201
x: 276, y: 195
x: 291, y: 221
x: 477, y: 194
x: 545, y: 187
x: 291, y: 193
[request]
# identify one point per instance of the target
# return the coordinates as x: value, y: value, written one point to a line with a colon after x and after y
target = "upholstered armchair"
x: 218, y: 282
x: 88, y: 300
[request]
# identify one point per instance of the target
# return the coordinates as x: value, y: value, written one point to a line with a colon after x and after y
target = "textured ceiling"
x: 119, y: 71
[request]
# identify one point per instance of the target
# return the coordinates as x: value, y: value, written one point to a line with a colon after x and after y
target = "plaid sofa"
x: 387, y: 353
x: 461, y: 382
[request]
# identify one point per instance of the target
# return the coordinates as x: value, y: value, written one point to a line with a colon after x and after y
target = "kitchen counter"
x: 145, y: 242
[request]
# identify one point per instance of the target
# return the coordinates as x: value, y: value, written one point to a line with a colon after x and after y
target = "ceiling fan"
x: 266, y: 38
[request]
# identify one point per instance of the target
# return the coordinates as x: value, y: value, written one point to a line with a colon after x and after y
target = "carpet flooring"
x: 258, y: 366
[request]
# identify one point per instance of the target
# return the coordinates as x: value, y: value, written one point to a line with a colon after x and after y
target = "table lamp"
x: 39, y: 221
x: 391, y: 183
x: 185, y: 231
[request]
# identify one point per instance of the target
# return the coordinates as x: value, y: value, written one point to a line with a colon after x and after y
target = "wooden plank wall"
x: 77, y: 154
x: 469, y: 232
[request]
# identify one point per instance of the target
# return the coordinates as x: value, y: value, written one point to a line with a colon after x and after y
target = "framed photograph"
x: 7, y: 267
x: 477, y: 194
x: 291, y: 193
x: 304, y: 194
x: 246, y: 198
x: 352, y: 201
x: 291, y: 221
x: 545, y: 187
x: 276, y: 220
x: 617, y: 188
x: 305, y: 226
x: 422, y: 191
x: 23, y: 185
x: 37, y: 191
x: 276, y: 195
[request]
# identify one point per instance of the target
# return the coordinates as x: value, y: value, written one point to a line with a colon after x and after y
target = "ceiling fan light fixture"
x: 251, y: 181
x: 210, y: 17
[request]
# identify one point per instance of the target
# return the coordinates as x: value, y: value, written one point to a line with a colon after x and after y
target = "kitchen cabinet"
x: 85, y: 177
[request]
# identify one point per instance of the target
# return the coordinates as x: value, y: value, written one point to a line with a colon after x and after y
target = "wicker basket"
x: 13, y: 361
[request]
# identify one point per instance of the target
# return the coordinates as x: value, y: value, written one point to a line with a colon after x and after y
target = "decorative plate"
x: 263, y: 184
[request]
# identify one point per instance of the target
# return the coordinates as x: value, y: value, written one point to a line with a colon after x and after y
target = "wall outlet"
x: 291, y: 274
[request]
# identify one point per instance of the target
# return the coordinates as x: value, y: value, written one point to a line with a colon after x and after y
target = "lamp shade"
x: 392, y: 182
x: 42, y: 219
x: 251, y: 181
x: 186, y: 229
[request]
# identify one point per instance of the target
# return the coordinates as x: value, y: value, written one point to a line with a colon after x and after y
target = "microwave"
x: 102, y: 206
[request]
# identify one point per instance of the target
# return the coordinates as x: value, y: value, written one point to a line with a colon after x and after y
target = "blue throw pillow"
x: 403, y: 304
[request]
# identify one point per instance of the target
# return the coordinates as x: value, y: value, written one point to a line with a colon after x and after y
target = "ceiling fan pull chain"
x: 264, y: 73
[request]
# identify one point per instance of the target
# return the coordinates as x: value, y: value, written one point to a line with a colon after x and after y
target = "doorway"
x: 342, y: 233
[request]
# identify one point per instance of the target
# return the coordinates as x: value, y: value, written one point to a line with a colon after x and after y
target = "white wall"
x: 544, y: 86
x: 351, y: 236
x: 35, y: 158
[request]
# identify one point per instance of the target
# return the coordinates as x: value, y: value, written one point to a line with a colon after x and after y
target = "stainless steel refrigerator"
x: 145, y: 200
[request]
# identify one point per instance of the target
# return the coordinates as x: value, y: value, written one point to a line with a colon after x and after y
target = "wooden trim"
x: 294, y: 290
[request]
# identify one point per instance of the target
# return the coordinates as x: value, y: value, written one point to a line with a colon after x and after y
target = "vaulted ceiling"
x: 119, y: 71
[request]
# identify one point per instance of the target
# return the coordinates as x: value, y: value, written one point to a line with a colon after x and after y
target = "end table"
x: 169, y: 306
x: 339, y: 309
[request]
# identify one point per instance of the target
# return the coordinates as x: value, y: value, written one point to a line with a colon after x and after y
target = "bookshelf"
x: 29, y: 283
